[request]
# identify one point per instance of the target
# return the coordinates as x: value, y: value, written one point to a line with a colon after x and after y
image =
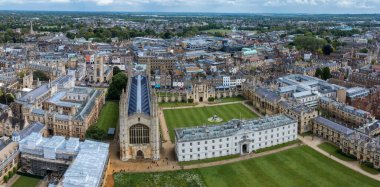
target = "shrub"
x: 211, y: 99
x: 5, y: 178
x: 190, y: 100
x: 347, y: 155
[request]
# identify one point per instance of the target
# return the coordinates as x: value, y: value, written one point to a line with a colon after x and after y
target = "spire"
x: 31, y: 27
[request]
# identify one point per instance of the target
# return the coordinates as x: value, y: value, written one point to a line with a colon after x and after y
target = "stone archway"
x: 139, y: 154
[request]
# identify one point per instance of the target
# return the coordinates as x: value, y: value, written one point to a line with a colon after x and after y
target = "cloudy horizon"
x: 220, y: 6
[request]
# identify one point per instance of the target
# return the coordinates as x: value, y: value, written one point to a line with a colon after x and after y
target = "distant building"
x: 233, y: 137
x: 101, y: 72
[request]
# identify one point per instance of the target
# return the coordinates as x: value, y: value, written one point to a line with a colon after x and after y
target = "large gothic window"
x: 139, y: 134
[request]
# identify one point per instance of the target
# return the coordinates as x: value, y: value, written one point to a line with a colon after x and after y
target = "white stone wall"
x: 210, y: 148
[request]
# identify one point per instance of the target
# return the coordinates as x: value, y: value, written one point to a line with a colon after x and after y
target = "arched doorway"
x: 245, y: 148
x: 139, y: 155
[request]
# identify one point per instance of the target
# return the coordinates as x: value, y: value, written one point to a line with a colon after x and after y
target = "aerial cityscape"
x: 173, y: 93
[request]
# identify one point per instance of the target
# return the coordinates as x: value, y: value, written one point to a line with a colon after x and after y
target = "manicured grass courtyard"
x: 300, y: 166
x: 186, y: 163
x: 109, y: 116
x: 176, y: 179
x: 230, y: 99
x: 175, y: 104
x: 25, y: 181
x: 197, y: 116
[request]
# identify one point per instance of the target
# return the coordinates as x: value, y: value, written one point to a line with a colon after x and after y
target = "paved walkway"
x: 313, y: 142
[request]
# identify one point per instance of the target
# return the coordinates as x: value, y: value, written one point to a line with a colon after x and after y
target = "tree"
x: 167, y: 35
x: 95, y: 133
x: 318, y: 73
x: 364, y: 50
x: 40, y: 75
x: 118, y: 83
x: 5, y: 178
x: 7, y: 98
x: 309, y: 43
x: 326, y: 74
x: 327, y: 49
x: 116, y: 70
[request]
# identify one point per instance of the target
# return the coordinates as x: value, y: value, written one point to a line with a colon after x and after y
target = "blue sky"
x: 230, y: 6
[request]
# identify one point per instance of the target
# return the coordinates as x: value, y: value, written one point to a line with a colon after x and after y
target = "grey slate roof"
x: 337, y: 127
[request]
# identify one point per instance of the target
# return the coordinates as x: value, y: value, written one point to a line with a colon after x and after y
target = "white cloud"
x: 290, y: 6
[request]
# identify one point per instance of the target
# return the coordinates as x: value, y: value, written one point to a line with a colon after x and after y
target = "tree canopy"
x: 6, y: 98
x: 364, y: 50
x: 118, y: 83
x: 40, y: 75
x: 309, y: 43
x: 323, y: 73
x: 318, y: 73
x: 116, y: 70
x: 95, y: 133
x: 327, y: 49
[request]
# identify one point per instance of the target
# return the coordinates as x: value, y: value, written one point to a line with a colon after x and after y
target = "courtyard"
x: 24, y: 181
x: 109, y: 116
x: 300, y: 166
x: 197, y: 116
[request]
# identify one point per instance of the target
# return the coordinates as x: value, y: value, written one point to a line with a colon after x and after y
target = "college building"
x: 139, y: 135
x: 351, y: 116
x: 362, y: 143
x: 65, y: 162
x: 66, y: 110
x: 9, y: 148
x: 233, y: 137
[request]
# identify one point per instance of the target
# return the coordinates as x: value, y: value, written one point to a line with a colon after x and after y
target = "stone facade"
x: 139, y: 134
x: 360, y: 143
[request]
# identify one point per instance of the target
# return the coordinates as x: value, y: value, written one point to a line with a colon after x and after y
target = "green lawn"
x: 175, y: 104
x: 185, y: 163
x: 369, y: 169
x: 197, y: 116
x: 109, y: 115
x: 189, y: 178
x: 230, y: 99
x: 25, y: 181
x: 300, y: 166
x: 278, y: 146
x: 335, y: 151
